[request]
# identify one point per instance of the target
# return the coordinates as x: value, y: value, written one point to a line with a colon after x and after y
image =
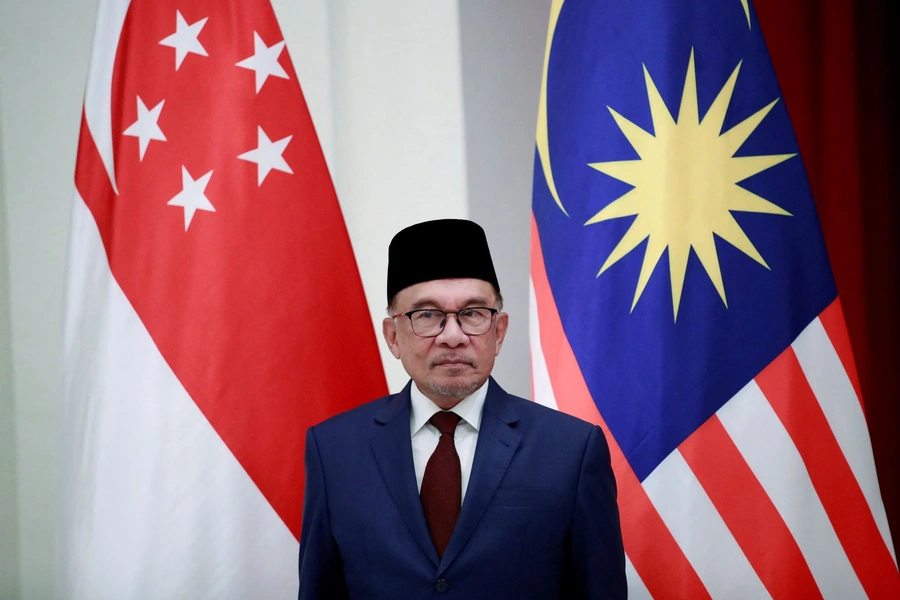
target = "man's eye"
x: 427, y: 315
x: 468, y: 312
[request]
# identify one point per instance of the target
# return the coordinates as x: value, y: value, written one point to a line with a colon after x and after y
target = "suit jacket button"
x: 441, y: 586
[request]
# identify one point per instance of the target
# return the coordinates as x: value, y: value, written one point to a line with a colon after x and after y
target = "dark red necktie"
x: 442, y: 483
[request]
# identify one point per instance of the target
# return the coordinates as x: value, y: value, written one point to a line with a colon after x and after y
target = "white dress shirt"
x: 425, y: 436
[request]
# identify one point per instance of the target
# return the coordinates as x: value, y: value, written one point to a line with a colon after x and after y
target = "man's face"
x: 449, y: 367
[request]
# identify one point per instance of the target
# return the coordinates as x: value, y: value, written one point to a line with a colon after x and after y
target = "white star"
x: 146, y: 127
x: 192, y: 197
x: 264, y: 61
x: 184, y: 40
x: 268, y: 155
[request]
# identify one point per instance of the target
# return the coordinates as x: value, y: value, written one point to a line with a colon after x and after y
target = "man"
x: 453, y: 488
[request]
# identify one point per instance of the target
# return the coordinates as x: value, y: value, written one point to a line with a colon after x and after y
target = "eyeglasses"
x: 430, y: 322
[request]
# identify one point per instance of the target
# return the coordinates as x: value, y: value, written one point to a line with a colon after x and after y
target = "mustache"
x: 451, y: 358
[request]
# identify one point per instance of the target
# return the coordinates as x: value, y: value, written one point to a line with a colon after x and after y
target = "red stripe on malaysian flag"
x: 655, y: 554
x: 748, y: 512
x: 832, y: 319
x: 787, y: 390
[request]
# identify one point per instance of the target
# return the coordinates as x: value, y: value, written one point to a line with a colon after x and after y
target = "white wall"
x: 399, y: 131
x: 9, y: 524
x: 502, y: 44
x: 44, y: 49
x: 424, y: 110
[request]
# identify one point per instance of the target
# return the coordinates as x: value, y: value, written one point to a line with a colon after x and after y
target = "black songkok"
x: 414, y: 255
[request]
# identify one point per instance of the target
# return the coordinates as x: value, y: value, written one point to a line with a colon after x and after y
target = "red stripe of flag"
x: 656, y: 556
x: 832, y: 319
x: 787, y: 390
x: 748, y: 512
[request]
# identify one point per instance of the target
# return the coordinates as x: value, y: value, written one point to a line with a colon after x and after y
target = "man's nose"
x: 452, y: 335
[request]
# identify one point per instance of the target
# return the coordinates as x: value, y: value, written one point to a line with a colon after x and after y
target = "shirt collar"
x: 469, y: 408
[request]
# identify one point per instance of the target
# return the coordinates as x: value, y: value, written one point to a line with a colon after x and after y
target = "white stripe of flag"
x: 834, y: 391
x: 763, y: 442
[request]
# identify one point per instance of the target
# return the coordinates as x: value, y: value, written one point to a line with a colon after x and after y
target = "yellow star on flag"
x: 686, y: 186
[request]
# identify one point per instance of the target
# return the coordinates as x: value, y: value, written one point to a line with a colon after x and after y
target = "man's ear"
x: 502, y: 326
x: 389, y: 331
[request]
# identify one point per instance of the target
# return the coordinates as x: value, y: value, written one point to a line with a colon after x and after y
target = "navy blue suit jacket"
x: 539, y: 519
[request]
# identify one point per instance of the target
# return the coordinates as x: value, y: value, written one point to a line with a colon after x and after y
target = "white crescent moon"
x: 98, y: 95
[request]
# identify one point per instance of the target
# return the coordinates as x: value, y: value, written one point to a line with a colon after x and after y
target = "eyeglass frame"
x: 494, y: 312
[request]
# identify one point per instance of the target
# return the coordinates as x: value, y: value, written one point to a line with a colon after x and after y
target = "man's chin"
x: 454, y: 389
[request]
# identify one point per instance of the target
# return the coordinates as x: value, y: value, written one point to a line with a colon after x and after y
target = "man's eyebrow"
x: 430, y: 303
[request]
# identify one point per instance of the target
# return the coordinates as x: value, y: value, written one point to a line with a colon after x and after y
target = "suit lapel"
x: 497, y: 443
x: 393, y: 452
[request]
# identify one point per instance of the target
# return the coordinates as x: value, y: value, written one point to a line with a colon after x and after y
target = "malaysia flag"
x: 214, y: 309
x: 682, y: 298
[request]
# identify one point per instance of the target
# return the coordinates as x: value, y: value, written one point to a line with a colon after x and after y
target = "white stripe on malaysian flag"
x: 833, y: 389
x: 785, y: 386
x: 636, y: 588
x: 700, y: 531
x: 541, y: 390
x: 771, y: 455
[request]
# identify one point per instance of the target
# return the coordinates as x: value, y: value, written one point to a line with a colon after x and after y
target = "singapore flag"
x: 214, y: 309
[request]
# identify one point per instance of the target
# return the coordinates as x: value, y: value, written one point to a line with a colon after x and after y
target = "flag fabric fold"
x: 682, y: 298
x: 214, y: 309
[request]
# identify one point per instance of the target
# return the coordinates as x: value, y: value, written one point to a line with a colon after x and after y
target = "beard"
x: 455, y: 389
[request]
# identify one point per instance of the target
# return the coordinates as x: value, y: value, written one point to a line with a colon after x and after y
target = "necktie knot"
x: 445, y: 421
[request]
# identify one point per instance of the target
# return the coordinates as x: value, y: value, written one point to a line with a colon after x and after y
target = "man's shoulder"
x: 363, y: 414
x: 558, y: 436
x: 538, y: 413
